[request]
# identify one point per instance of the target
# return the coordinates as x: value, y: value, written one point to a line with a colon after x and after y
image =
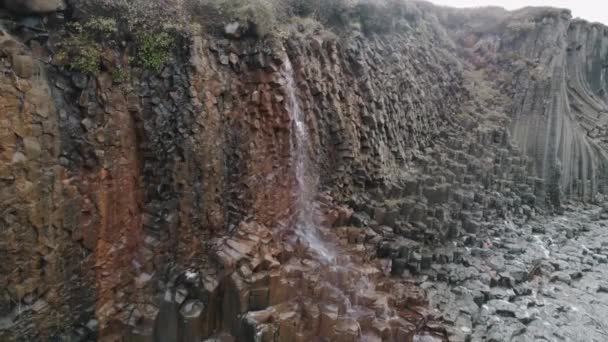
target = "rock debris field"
x: 541, y: 280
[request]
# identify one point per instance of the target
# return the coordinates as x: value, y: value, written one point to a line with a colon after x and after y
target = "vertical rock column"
x: 34, y: 245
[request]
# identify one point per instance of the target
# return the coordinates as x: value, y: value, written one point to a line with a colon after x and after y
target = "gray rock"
x: 526, y: 316
x: 505, y: 330
x: 502, y: 307
x: 501, y: 293
x: 561, y: 277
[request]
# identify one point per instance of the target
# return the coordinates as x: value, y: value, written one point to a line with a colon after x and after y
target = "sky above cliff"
x: 591, y: 10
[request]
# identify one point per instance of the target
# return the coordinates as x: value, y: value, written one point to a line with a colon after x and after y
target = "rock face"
x: 161, y: 208
x: 563, y: 131
x: 557, y: 90
x: 34, y: 6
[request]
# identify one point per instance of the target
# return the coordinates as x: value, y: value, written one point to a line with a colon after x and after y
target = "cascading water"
x: 305, y: 175
x: 308, y: 280
x: 342, y: 282
x: 307, y: 221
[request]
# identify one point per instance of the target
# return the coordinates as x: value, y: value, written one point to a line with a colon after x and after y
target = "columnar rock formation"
x: 160, y: 206
x: 553, y: 68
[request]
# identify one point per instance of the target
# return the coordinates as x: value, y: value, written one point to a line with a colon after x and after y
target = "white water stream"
x: 307, y: 219
x: 307, y: 216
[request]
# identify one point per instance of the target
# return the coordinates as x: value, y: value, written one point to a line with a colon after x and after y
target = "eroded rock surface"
x: 160, y: 207
x: 549, y: 67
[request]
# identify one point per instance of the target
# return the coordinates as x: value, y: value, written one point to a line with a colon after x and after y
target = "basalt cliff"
x: 153, y: 184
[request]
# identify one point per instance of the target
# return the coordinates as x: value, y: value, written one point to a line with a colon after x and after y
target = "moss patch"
x: 153, y: 50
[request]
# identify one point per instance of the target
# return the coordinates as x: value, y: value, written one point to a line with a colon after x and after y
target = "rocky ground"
x: 541, y: 280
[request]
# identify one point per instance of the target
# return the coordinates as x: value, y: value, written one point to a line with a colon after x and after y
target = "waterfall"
x: 343, y: 280
x: 306, y: 176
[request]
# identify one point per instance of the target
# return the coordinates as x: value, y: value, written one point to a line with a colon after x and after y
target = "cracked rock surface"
x: 540, y: 280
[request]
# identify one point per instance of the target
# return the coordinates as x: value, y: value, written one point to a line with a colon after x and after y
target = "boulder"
x: 23, y: 66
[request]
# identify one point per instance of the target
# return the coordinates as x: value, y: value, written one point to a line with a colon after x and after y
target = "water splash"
x: 307, y: 222
x: 307, y: 216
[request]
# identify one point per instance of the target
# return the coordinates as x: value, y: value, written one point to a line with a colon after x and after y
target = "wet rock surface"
x: 161, y: 207
x: 281, y: 290
x: 537, y: 280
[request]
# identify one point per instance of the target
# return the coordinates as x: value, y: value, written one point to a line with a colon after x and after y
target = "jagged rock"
x: 502, y: 307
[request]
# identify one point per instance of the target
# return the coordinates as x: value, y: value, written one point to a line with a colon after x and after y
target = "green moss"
x: 154, y: 50
x: 83, y: 43
x: 81, y: 53
x: 87, y: 60
x: 120, y: 74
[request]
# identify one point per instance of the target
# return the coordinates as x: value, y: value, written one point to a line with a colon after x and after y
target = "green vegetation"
x: 83, y: 44
x: 120, y: 74
x: 153, y: 50
x: 87, y: 59
x: 102, y: 27
x: 80, y: 47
